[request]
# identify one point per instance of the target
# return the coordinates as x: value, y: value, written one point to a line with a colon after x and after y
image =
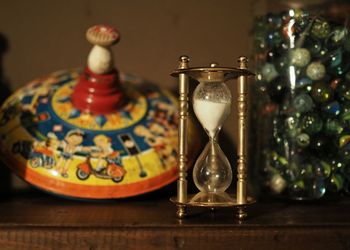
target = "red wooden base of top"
x: 97, y: 94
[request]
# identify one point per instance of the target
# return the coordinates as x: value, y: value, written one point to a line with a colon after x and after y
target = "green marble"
x: 333, y: 127
x: 321, y: 92
x: 306, y: 170
x: 339, y: 35
x: 311, y: 123
x: 320, y: 28
x: 344, y: 140
x: 343, y: 92
x: 323, y: 169
x: 336, y: 182
x: 268, y: 72
x: 336, y: 58
x: 344, y: 153
x: 316, y: 71
x: 303, y: 140
x: 292, y: 126
x: 282, y: 63
x: 274, y: 38
x: 303, y: 102
x: 299, y: 57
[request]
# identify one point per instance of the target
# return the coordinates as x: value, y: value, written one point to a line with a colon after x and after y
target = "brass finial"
x: 214, y: 65
x: 243, y: 62
x: 184, y: 60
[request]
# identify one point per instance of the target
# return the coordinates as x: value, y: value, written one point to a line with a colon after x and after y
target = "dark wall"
x: 45, y: 36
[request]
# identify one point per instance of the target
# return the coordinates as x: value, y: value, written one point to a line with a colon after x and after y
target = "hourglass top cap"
x: 200, y: 72
x: 213, y: 71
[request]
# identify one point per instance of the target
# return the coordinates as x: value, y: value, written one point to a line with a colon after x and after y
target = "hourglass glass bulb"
x: 212, y: 171
x: 212, y: 104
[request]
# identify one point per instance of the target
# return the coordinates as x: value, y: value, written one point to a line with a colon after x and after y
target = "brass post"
x: 183, y: 113
x: 241, y: 152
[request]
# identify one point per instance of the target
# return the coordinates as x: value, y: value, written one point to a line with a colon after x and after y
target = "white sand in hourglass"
x: 211, y: 114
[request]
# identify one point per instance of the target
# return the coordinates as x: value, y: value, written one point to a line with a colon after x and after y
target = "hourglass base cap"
x: 222, y: 199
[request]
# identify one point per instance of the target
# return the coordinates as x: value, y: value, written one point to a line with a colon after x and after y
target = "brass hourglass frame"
x: 184, y: 73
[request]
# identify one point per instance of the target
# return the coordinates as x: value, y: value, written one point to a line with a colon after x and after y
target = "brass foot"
x: 241, y: 214
x: 181, y: 211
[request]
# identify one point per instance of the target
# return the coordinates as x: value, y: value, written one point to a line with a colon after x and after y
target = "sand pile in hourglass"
x: 211, y: 114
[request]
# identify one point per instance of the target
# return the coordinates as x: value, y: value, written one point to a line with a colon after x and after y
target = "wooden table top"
x: 37, y: 220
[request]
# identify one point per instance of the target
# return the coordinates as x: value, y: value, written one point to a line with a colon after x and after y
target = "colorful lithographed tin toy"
x: 95, y: 134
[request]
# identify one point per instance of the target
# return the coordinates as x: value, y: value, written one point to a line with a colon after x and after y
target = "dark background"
x: 39, y: 37
x: 45, y: 36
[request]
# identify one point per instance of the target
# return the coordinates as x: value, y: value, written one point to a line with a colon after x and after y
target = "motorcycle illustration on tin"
x: 112, y: 170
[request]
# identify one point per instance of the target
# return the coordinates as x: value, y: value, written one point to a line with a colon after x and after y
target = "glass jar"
x: 302, y: 104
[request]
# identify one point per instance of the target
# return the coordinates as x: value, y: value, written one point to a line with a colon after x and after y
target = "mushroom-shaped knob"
x: 102, y: 35
x: 100, y: 60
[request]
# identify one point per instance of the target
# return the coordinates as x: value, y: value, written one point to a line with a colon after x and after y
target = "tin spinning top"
x: 96, y: 134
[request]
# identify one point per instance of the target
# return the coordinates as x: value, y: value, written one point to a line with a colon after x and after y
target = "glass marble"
x: 343, y: 91
x: 303, y: 140
x: 299, y: 57
x: 292, y: 126
x: 281, y: 63
x: 302, y: 18
x: 336, y: 183
x: 306, y: 170
x: 316, y: 188
x: 322, y: 169
x: 268, y: 72
x: 336, y: 58
x: 307, y: 189
x: 333, y: 108
x: 344, y: 153
x: 303, y: 82
x: 333, y: 127
x: 345, y: 115
x: 320, y: 28
x: 274, y: 21
x: 274, y: 38
x: 321, y: 92
x: 334, y: 83
x: 337, y: 36
x: 303, y: 102
x: 278, y: 183
x: 341, y: 69
x: 316, y: 71
x: 311, y: 123
x: 344, y: 139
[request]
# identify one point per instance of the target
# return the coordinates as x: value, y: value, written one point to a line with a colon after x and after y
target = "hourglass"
x: 211, y: 101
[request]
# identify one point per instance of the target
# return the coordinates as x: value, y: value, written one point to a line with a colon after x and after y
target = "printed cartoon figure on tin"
x: 43, y: 153
x: 70, y: 145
